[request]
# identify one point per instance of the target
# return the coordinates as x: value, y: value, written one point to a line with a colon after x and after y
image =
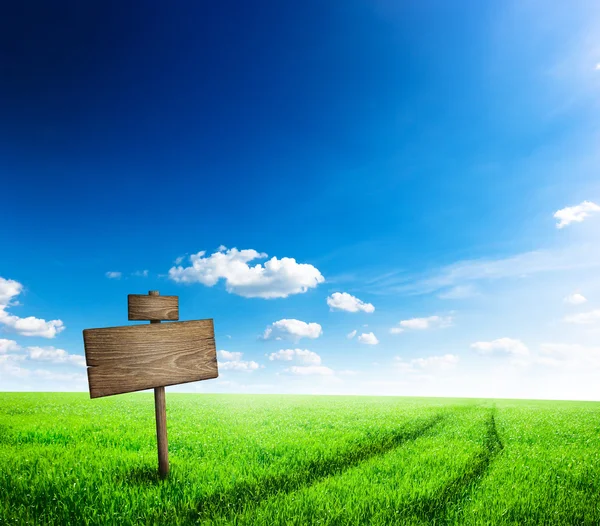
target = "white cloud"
x: 293, y: 328
x: 569, y: 355
x: 426, y: 323
x: 114, y: 275
x: 50, y: 354
x: 351, y: 334
x: 6, y: 358
x: 226, y: 355
x: 302, y: 355
x: 9, y: 368
x: 349, y: 303
x: 575, y: 299
x: 141, y: 273
x: 584, y: 318
x: 9, y: 289
x: 29, y: 326
x: 444, y: 362
x: 57, y: 376
x: 283, y: 354
x: 305, y: 370
x: 507, y: 346
x: 232, y: 361
x: 575, y: 214
x: 278, y: 278
x: 396, y: 330
x: 36, y: 354
x: 238, y: 366
x: 368, y: 338
x: 8, y: 346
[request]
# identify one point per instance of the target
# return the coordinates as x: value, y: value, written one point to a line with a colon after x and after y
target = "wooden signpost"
x: 137, y: 357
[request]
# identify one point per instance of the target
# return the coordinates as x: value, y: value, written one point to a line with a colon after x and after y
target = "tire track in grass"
x: 245, y: 495
x: 433, y: 509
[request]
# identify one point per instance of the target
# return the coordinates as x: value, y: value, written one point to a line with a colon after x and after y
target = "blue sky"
x: 423, y: 174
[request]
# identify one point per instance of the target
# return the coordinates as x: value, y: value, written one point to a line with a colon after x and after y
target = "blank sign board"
x: 133, y: 358
x: 152, y: 308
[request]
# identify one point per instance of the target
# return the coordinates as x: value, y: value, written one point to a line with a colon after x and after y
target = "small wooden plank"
x: 137, y: 357
x: 142, y: 307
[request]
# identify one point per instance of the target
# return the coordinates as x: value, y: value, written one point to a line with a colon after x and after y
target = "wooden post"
x: 160, y: 408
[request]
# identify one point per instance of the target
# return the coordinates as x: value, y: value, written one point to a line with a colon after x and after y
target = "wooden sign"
x: 137, y: 357
x: 132, y: 358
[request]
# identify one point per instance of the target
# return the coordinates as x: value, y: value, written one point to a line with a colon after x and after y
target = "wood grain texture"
x: 142, y: 307
x: 137, y: 357
x: 160, y: 407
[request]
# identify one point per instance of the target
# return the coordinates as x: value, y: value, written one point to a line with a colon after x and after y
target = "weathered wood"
x: 152, y: 307
x: 137, y: 357
x: 160, y: 408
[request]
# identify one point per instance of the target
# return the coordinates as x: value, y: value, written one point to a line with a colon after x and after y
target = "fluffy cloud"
x: 140, y: 273
x: 29, y: 326
x: 302, y: 355
x: 278, y: 278
x: 396, y: 330
x: 305, y: 370
x: 50, y: 354
x: 368, y: 338
x: 575, y: 214
x: 351, y: 334
x: 507, y: 346
x: 426, y: 323
x: 8, y: 346
x: 295, y: 329
x: 584, y: 318
x: 38, y: 354
x: 232, y: 361
x: 9, y: 289
x: 347, y: 302
x: 16, y: 371
x: 114, y: 275
x: 575, y: 299
x: 232, y: 356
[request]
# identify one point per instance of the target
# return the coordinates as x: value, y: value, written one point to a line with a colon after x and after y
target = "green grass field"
x: 258, y: 460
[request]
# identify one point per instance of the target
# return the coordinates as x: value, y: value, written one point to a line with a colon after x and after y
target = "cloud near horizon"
x: 584, y: 318
x: 500, y: 346
x: 232, y: 361
x: 302, y: 355
x: 444, y: 362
